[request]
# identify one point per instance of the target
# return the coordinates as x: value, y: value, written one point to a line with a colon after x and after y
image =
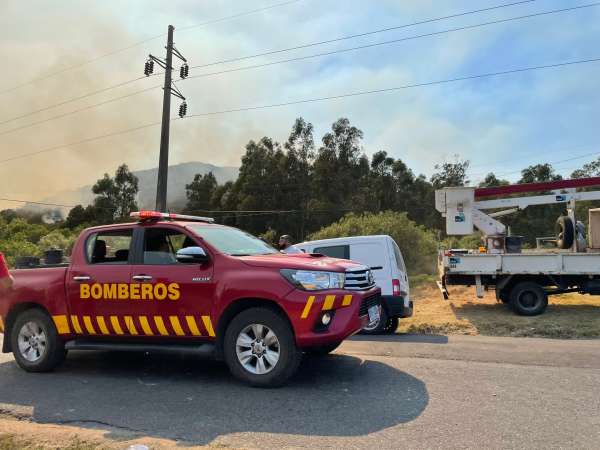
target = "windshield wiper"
x: 239, y: 254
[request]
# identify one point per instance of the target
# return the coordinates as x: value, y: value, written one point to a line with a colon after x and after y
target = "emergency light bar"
x: 155, y: 215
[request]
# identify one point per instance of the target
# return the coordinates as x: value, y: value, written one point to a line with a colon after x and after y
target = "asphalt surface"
x: 399, y: 391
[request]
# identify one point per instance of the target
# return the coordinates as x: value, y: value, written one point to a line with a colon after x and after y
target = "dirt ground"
x: 568, y: 316
x: 24, y: 434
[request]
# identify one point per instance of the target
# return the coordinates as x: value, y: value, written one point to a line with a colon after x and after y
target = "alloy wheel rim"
x: 257, y: 348
x: 32, y: 341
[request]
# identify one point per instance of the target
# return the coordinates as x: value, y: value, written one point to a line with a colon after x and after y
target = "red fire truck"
x: 185, y: 283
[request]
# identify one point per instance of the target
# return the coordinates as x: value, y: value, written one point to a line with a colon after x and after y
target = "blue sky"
x: 500, y: 124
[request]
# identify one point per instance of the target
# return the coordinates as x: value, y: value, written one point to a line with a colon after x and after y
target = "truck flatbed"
x: 531, y: 263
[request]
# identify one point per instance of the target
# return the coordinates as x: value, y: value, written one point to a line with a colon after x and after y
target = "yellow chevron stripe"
x: 328, y: 303
x: 130, y: 326
x: 176, y: 326
x: 307, y: 307
x: 1, y: 325
x: 146, y: 326
x: 114, y: 321
x: 208, y: 326
x: 102, y: 325
x: 347, y: 300
x: 76, y: 326
x: 62, y: 324
x: 87, y: 321
x: 191, y: 323
x: 160, y: 324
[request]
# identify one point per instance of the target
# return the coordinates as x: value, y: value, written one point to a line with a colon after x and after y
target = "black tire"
x: 54, y: 352
x: 380, y: 327
x: 323, y: 350
x: 392, y: 325
x: 289, y: 354
x: 565, y: 232
x: 528, y: 299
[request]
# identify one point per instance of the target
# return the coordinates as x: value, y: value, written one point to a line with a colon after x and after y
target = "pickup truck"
x: 184, y: 283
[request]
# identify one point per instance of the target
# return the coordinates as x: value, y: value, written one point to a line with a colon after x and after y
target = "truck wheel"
x: 36, y: 345
x: 322, y: 350
x: 528, y: 299
x: 260, y: 348
x: 377, y: 327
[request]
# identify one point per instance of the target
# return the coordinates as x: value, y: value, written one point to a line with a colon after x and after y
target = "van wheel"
x: 378, y: 327
x: 35, y: 342
x: 392, y: 325
x: 260, y: 348
x: 528, y: 299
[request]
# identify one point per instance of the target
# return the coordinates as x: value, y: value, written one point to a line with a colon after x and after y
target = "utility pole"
x: 168, y: 90
x: 163, y: 160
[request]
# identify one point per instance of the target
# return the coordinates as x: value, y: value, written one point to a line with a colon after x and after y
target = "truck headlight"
x: 310, y: 280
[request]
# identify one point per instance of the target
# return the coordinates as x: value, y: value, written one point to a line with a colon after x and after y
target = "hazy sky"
x: 500, y: 124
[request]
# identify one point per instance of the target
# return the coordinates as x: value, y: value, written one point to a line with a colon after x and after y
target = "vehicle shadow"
x: 399, y: 337
x: 559, y: 320
x: 195, y: 400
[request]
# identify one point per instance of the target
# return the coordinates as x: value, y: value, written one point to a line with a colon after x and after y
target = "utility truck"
x: 183, y: 283
x: 523, y: 279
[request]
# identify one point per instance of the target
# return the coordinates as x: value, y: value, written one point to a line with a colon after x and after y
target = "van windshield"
x: 232, y: 241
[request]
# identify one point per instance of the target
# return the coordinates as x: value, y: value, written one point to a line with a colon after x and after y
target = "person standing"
x: 285, y: 245
x: 6, y: 280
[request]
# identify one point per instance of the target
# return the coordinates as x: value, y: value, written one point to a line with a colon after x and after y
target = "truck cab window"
x: 162, y: 244
x: 109, y: 247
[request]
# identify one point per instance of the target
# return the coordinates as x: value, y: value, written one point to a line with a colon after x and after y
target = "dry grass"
x: 567, y: 316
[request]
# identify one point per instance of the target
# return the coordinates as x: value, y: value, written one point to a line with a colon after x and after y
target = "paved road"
x: 401, y: 391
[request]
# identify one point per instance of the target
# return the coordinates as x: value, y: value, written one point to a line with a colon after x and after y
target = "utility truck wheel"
x: 528, y: 299
x: 35, y: 343
x: 260, y: 348
x: 379, y: 326
x: 322, y: 350
x: 565, y: 232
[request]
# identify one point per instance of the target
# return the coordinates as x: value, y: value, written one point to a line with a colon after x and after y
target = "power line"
x: 394, y: 41
x: 596, y: 153
x: 397, y: 88
x: 367, y: 33
x: 85, y: 108
x: 319, y: 99
x: 235, y: 16
x: 83, y: 141
x: 73, y: 99
x: 271, y: 52
x: 136, y: 44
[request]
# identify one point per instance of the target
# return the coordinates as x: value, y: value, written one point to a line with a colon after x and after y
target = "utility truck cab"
x: 383, y: 256
x: 179, y: 282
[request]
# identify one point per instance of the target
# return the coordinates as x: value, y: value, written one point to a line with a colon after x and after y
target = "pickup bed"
x: 167, y: 282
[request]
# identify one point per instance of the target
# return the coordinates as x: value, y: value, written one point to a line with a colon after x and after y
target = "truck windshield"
x: 232, y: 241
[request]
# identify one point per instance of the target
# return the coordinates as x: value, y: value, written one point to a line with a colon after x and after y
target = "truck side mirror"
x: 192, y: 255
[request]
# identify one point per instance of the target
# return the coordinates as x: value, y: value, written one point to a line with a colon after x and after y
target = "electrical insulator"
x: 184, y: 71
x: 149, y: 67
x: 183, y: 109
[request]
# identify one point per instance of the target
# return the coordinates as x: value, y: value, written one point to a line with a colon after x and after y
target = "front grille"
x: 357, y: 280
x: 374, y: 300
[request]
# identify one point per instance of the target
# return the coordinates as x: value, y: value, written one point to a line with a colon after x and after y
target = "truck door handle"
x: 82, y: 278
x: 142, y: 277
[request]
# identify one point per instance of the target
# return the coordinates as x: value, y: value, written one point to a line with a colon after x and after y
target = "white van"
x: 383, y: 256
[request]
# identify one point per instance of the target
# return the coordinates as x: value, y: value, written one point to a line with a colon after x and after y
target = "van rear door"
x: 373, y: 254
x: 403, y: 275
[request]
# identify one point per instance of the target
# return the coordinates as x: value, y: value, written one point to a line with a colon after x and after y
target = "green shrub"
x: 418, y: 245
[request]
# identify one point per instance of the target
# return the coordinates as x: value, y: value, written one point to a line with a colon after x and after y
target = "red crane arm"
x: 534, y: 187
